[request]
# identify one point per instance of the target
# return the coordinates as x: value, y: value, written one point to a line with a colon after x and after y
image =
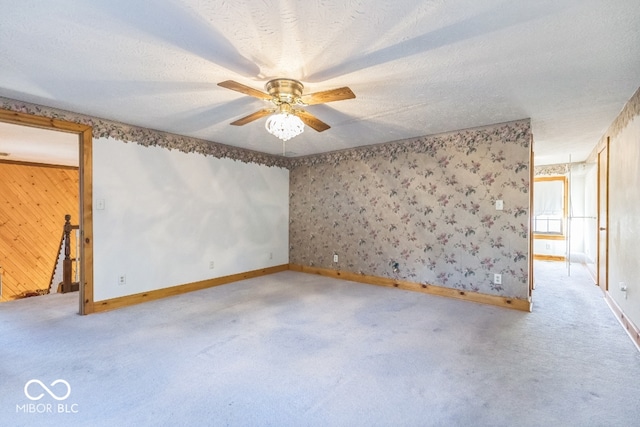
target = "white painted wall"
x: 169, y: 214
x: 543, y: 246
x: 624, y: 219
x: 576, y: 211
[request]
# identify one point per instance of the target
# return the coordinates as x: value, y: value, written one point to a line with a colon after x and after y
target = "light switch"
x: 100, y: 204
x: 499, y: 205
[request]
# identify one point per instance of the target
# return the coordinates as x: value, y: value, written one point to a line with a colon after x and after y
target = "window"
x: 549, y: 206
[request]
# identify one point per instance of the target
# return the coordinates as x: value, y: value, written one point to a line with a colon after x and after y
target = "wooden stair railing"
x: 55, y: 265
x: 67, y: 267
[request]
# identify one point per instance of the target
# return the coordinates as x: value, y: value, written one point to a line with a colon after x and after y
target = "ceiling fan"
x: 287, y: 98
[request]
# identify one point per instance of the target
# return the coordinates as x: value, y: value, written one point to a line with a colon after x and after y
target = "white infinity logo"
x: 52, y: 394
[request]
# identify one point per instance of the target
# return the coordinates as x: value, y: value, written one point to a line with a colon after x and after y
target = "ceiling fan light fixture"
x: 284, y: 94
x: 284, y: 125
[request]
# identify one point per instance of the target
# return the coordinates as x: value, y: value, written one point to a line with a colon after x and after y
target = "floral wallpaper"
x: 421, y: 210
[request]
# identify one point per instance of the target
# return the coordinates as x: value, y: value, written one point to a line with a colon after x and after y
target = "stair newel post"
x: 66, y: 265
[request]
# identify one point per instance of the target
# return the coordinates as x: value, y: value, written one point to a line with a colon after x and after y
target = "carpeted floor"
x: 293, y: 349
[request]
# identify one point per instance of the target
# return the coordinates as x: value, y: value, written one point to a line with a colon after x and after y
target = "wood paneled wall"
x: 33, y: 202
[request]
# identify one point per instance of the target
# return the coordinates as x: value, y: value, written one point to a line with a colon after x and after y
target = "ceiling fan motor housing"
x: 286, y: 91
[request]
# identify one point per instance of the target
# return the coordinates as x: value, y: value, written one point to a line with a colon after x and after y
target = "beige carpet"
x: 292, y: 349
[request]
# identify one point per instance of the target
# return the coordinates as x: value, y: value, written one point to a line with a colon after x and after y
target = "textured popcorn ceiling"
x: 416, y: 67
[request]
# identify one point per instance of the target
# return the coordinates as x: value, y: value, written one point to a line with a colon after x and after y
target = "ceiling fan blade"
x: 312, y: 121
x: 328, y: 96
x: 252, y: 117
x: 239, y: 87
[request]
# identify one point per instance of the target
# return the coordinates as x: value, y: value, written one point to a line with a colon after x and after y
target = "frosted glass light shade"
x: 284, y: 125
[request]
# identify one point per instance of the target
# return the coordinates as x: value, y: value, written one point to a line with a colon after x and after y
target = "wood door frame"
x: 532, y: 284
x: 604, y: 150
x: 565, y: 207
x: 85, y: 143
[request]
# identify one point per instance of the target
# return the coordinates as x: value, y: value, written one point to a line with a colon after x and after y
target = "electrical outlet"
x: 497, y: 279
x: 335, y: 257
x: 623, y: 288
x: 211, y: 265
x: 122, y: 279
x: 547, y: 246
x: 270, y: 255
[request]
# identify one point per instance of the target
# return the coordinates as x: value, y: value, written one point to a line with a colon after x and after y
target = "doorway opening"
x: 81, y: 134
x: 564, y: 216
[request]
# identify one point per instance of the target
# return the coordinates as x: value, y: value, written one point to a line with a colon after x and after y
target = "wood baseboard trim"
x: 549, y: 257
x: 632, y: 330
x: 513, y: 303
x: 591, y: 271
x: 120, y: 302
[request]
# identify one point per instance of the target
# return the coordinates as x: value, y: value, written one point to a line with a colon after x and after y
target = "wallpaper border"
x: 420, y: 144
x: 558, y: 169
x: 102, y: 128
x: 630, y: 111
